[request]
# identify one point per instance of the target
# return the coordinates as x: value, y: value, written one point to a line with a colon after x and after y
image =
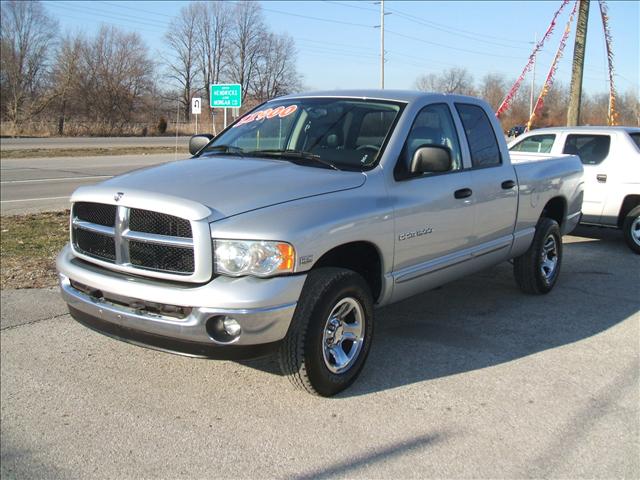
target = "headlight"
x: 260, y: 258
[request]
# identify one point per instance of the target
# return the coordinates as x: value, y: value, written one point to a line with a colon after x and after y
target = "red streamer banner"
x: 612, y: 117
x: 508, y: 99
x: 548, y: 83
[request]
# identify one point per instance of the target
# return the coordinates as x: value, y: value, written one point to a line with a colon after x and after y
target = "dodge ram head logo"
x: 118, y: 196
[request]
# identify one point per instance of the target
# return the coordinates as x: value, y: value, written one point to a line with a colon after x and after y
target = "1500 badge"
x: 417, y: 233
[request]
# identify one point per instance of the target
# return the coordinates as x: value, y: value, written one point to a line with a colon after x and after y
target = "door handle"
x: 463, y: 193
x: 508, y: 184
x: 602, y: 178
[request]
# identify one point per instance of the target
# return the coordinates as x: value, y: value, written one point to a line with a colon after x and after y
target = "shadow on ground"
x: 484, y: 320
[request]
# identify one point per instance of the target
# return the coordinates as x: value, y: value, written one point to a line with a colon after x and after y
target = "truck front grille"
x: 159, y: 223
x: 132, y: 237
x: 98, y: 213
x: 95, y: 245
x: 161, y: 257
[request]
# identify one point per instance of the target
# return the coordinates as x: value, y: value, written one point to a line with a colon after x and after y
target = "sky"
x: 338, y: 43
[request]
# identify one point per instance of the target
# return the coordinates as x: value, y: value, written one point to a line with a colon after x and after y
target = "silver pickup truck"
x: 284, y: 232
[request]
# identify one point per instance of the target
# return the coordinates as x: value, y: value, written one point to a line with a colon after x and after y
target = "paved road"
x: 42, y: 184
x: 471, y: 380
x: 88, y: 142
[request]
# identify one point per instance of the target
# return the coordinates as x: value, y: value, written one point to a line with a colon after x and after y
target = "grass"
x: 29, y: 245
x: 86, y: 152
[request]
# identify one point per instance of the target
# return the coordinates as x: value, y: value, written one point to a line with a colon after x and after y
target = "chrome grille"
x: 159, y: 223
x: 99, y: 213
x: 133, y: 238
x: 161, y: 257
x: 94, y: 244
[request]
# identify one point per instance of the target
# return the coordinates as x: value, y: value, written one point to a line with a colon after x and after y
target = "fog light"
x: 231, y: 326
x: 223, y: 329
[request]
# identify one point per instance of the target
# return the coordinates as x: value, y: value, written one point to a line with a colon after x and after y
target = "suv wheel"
x: 631, y: 229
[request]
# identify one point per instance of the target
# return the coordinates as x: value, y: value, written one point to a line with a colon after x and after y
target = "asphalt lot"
x: 474, y: 380
x: 88, y: 142
x: 39, y: 184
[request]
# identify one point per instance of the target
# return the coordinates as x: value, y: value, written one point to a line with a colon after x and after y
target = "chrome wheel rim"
x: 343, y: 335
x: 635, y: 231
x: 549, y: 258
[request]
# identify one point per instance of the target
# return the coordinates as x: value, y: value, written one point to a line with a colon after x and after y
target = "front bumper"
x: 264, y: 308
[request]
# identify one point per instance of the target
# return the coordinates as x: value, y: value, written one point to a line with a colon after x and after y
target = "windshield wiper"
x: 228, y: 149
x: 295, y: 155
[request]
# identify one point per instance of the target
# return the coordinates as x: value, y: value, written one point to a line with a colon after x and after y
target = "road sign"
x: 196, y: 106
x: 226, y: 95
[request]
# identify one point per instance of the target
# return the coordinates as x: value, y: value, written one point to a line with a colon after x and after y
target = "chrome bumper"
x: 263, y: 307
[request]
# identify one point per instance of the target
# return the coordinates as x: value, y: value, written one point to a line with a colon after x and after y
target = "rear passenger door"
x: 593, y: 150
x: 495, y: 188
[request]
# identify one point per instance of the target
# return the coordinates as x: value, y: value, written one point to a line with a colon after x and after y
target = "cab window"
x: 592, y: 149
x: 432, y: 126
x: 480, y: 136
x: 535, y: 144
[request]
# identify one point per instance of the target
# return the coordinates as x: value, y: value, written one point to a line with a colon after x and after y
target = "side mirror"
x: 431, y: 159
x: 197, y: 142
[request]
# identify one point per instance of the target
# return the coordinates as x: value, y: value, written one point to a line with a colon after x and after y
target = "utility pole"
x: 573, y: 112
x: 382, y: 44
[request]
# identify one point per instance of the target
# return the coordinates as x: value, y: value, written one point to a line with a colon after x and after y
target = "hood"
x: 226, y: 185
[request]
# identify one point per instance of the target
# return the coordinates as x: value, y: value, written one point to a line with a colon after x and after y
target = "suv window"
x: 592, y: 149
x: 535, y: 144
x: 480, y: 136
x: 636, y: 139
x: 432, y: 126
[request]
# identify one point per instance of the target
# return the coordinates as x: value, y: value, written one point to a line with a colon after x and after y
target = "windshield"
x: 338, y: 133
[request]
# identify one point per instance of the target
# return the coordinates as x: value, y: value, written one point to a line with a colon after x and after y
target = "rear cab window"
x: 592, y: 149
x: 535, y: 144
x: 481, y: 137
x: 635, y: 136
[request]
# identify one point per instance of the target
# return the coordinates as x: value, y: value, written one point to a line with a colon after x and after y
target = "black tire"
x: 301, y: 354
x: 631, y: 229
x: 531, y: 269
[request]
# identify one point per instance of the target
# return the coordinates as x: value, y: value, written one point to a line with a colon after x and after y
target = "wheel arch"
x: 362, y: 257
x: 556, y: 209
x: 629, y: 203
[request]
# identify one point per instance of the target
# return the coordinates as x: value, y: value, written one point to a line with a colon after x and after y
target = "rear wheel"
x: 537, y: 270
x: 331, y: 332
x: 631, y: 229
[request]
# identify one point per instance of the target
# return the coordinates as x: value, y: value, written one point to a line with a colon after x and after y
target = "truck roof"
x: 378, y: 94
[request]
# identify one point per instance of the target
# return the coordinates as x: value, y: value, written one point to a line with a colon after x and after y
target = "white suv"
x: 611, y: 159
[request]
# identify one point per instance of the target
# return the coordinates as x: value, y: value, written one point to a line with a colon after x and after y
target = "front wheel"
x: 330, y: 334
x: 537, y: 270
x: 631, y: 229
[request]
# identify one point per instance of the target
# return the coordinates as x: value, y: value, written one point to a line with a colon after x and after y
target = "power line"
x: 475, y: 52
x: 114, y: 16
x: 468, y: 32
x: 319, y: 19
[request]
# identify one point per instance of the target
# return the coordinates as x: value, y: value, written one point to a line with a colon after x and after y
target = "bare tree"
x: 245, y: 49
x: 182, y: 38
x: 493, y: 88
x: 454, y: 80
x: 116, y: 74
x: 66, y: 72
x: 26, y: 38
x: 276, y: 72
x: 213, y: 27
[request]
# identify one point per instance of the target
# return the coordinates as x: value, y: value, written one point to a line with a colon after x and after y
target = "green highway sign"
x: 227, y: 95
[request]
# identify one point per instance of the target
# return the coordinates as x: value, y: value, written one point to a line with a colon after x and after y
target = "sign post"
x: 196, y: 109
x: 228, y: 95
